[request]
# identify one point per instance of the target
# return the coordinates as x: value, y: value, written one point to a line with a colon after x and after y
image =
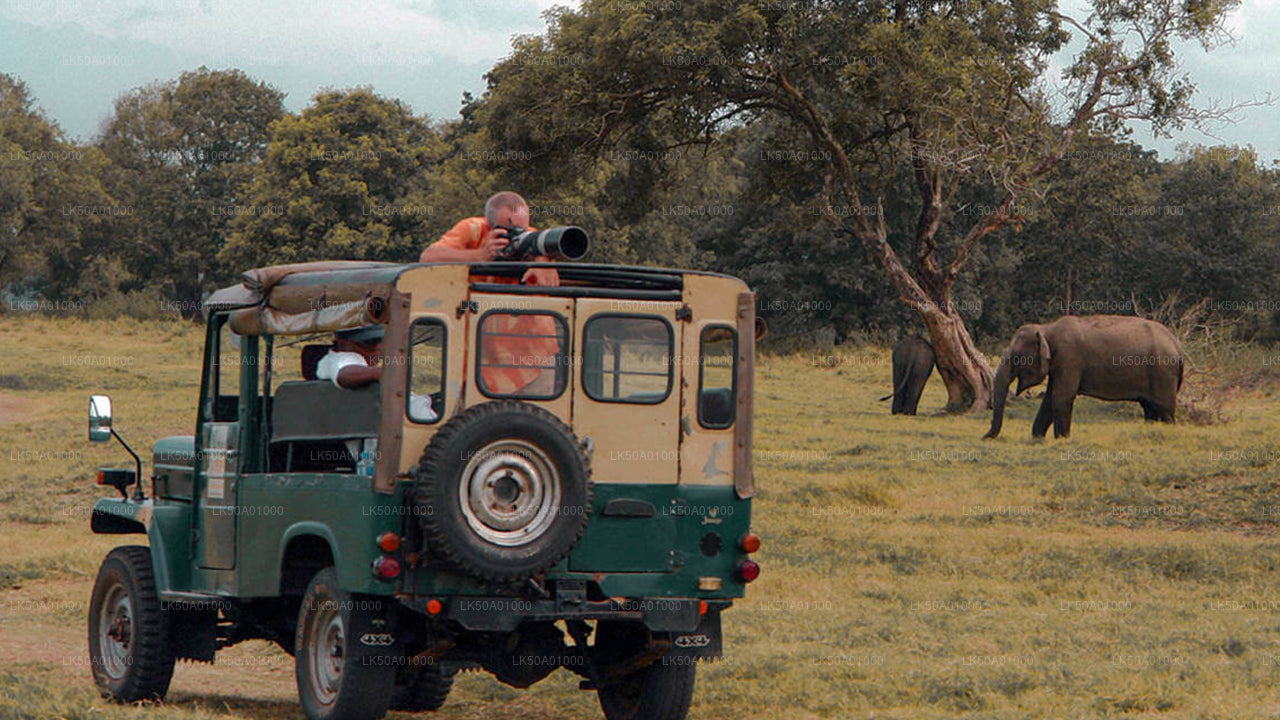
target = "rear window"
x: 717, y: 377
x: 627, y: 359
x: 523, y: 355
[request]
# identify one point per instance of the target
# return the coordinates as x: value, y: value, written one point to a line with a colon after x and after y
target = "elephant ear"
x: 1044, y: 353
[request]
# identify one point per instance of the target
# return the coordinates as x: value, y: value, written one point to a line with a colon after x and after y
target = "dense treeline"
x: 194, y: 179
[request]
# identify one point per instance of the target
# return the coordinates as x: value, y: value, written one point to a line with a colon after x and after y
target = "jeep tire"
x: 421, y: 688
x: 662, y: 690
x: 335, y: 681
x: 129, y: 645
x: 504, y: 490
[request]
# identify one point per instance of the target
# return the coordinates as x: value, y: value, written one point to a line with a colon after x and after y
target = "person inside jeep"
x: 518, y: 352
x: 480, y: 239
x: 355, y: 360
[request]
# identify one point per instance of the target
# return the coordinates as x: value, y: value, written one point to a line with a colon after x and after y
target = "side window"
x: 226, y: 374
x: 523, y: 354
x: 426, y: 371
x: 627, y: 359
x: 717, y: 386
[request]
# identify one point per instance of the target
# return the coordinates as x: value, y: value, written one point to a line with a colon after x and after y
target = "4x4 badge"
x: 377, y: 639
x: 693, y: 641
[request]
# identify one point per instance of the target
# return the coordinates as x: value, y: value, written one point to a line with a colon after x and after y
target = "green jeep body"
x: 239, y: 525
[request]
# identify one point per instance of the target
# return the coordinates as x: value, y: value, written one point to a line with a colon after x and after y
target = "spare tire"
x: 504, y: 490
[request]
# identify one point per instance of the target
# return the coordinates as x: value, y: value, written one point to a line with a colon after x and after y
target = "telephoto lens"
x: 565, y: 242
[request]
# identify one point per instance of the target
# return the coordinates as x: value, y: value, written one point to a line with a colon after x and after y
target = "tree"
x: 183, y: 153
x: 345, y: 179
x: 52, y: 204
x: 956, y: 91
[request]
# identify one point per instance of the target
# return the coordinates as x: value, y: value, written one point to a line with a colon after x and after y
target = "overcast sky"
x: 77, y: 56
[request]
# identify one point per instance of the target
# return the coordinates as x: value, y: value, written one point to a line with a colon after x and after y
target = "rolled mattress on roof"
x: 309, y: 307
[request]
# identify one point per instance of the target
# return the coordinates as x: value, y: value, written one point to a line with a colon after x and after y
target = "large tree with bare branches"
x: 959, y: 91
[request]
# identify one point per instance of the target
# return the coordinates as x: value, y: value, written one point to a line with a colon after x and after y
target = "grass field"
x: 911, y: 570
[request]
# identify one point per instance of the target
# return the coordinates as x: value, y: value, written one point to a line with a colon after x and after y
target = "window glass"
x: 523, y: 354
x: 626, y: 359
x: 717, y: 400
x: 226, y: 374
x: 426, y: 371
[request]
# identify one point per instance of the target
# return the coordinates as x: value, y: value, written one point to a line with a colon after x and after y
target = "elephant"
x: 1109, y: 357
x: 912, y: 364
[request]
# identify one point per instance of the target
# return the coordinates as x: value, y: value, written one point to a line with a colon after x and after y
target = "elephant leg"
x: 1043, y: 417
x: 1150, y: 411
x: 915, y: 388
x: 1062, y: 407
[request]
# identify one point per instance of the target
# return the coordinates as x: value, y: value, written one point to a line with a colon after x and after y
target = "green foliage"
x: 182, y: 154
x: 53, y: 207
x: 343, y: 180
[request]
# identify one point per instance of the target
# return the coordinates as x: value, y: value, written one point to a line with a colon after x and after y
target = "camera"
x: 565, y: 242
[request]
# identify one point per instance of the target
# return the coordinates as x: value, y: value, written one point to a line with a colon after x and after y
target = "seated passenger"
x: 356, y: 361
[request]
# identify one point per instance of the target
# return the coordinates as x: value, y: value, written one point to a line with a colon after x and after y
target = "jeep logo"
x: 693, y: 641
x: 377, y: 639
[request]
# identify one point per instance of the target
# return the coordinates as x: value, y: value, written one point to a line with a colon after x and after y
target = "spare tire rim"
x: 510, y: 492
x: 115, y: 631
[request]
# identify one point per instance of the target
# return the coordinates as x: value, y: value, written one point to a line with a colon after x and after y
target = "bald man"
x: 480, y: 239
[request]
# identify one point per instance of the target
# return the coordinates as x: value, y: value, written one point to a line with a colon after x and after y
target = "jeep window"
x: 225, y: 374
x: 627, y: 359
x: 426, y: 371
x: 717, y: 390
x: 523, y: 354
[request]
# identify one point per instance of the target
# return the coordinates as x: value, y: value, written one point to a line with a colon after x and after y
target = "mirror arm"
x: 137, y: 462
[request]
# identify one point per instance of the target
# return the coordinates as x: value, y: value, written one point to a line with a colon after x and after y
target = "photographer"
x: 480, y: 239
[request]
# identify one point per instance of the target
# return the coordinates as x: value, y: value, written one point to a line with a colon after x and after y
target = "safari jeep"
x: 542, y: 478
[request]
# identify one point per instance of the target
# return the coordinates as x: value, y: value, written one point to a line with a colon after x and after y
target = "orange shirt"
x: 507, y: 351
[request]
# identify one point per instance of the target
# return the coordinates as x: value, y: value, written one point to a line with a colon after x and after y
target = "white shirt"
x: 333, y: 362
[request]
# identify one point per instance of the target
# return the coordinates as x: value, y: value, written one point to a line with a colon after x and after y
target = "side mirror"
x: 99, y: 418
x: 762, y: 328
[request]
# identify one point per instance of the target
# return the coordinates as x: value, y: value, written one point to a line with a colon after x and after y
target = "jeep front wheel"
x: 129, y: 646
x: 334, y: 681
x: 505, y: 490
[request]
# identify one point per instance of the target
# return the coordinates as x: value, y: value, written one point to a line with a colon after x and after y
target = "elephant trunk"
x: 999, y: 393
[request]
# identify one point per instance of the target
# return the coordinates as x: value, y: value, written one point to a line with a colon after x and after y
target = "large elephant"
x: 912, y: 364
x: 1109, y: 357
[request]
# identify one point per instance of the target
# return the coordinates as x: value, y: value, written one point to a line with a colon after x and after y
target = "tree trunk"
x: 963, y: 368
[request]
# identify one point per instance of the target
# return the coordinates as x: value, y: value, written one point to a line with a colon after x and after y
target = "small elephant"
x: 1109, y: 357
x: 912, y: 364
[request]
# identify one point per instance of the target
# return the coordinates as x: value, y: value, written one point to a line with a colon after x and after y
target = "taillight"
x: 386, y: 568
x: 748, y: 570
x: 434, y: 606
x: 750, y: 543
x: 389, y: 542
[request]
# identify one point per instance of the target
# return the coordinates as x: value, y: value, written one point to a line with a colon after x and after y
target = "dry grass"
x: 911, y: 570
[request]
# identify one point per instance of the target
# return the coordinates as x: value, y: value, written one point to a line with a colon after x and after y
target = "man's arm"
x: 354, y: 376
x: 544, y: 277
x: 464, y: 244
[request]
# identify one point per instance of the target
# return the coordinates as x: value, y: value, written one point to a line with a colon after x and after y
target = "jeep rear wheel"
x: 129, y: 645
x: 421, y: 688
x: 334, y: 681
x: 505, y: 489
x: 663, y: 690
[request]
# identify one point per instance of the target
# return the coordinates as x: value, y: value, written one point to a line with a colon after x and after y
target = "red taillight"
x: 702, y: 607
x: 748, y: 570
x: 386, y: 568
x: 389, y: 542
x: 434, y: 607
x: 750, y: 542
x: 101, y: 478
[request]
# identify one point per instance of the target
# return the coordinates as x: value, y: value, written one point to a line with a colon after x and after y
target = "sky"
x: 77, y: 56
